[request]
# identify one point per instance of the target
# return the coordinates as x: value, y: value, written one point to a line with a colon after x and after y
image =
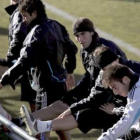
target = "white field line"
x: 104, y: 34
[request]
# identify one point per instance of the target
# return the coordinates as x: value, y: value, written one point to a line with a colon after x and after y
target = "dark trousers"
x: 27, y: 93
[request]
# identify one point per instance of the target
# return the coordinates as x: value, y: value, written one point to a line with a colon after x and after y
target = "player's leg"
x: 50, y: 112
x: 36, y: 126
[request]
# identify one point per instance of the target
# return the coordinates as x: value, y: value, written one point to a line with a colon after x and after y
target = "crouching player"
x: 127, y: 84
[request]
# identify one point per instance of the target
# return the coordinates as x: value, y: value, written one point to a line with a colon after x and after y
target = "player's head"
x: 31, y: 9
x: 103, y: 57
x: 84, y: 30
x: 118, y: 78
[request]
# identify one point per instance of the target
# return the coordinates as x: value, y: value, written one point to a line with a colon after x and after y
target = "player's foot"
x: 29, y: 121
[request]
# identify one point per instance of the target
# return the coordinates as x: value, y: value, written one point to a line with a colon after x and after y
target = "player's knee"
x: 59, y: 105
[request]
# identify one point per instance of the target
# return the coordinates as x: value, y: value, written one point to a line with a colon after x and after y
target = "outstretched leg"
x: 50, y: 112
x: 36, y: 126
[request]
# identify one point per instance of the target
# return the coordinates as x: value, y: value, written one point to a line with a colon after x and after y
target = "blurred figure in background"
x: 44, y: 49
x: 17, y: 34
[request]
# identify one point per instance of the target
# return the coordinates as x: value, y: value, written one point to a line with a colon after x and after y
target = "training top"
x: 131, y: 113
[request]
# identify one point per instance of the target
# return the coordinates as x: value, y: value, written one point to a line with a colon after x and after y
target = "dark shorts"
x: 56, y: 92
x: 70, y: 98
x: 94, y: 119
x: 53, y: 93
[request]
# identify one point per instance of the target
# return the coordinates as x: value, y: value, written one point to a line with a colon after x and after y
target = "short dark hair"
x: 115, y: 72
x: 103, y: 56
x: 33, y: 5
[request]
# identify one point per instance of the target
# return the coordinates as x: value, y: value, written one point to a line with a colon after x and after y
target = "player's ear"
x: 126, y: 80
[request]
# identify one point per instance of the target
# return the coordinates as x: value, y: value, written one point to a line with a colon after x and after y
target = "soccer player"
x: 125, y: 83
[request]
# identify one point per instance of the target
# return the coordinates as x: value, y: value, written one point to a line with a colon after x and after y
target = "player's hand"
x: 65, y: 113
x: 108, y: 108
x: 70, y: 81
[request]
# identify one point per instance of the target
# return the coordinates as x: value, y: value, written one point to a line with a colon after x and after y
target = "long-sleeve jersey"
x: 99, y: 95
x: 17, y: 34
x: 131, y: 113
x: 83, y: 88
x: 44, y: 49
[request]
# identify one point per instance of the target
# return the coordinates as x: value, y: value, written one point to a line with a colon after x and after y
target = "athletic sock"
x: 44, y: 126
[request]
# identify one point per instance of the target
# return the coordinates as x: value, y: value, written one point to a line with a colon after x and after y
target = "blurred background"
x: 118, y: 20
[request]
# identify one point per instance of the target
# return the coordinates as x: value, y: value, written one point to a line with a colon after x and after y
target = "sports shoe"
x: 4, y: 113
x: 29, y: 121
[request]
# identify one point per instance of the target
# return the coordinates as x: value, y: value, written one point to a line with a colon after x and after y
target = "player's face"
x: 84, y: 38
x: 27, y: 17
x: 119, y: 87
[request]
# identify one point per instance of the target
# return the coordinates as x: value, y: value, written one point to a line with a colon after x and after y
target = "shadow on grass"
x: 92, y: 134
x: 129, y: 0
x: 16, y: 98
x: 3, y: 31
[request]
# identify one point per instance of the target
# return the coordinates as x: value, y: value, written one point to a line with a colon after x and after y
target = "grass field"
x: 117, y: 17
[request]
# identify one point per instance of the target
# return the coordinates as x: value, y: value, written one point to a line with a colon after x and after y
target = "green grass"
x: 118, y: 17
